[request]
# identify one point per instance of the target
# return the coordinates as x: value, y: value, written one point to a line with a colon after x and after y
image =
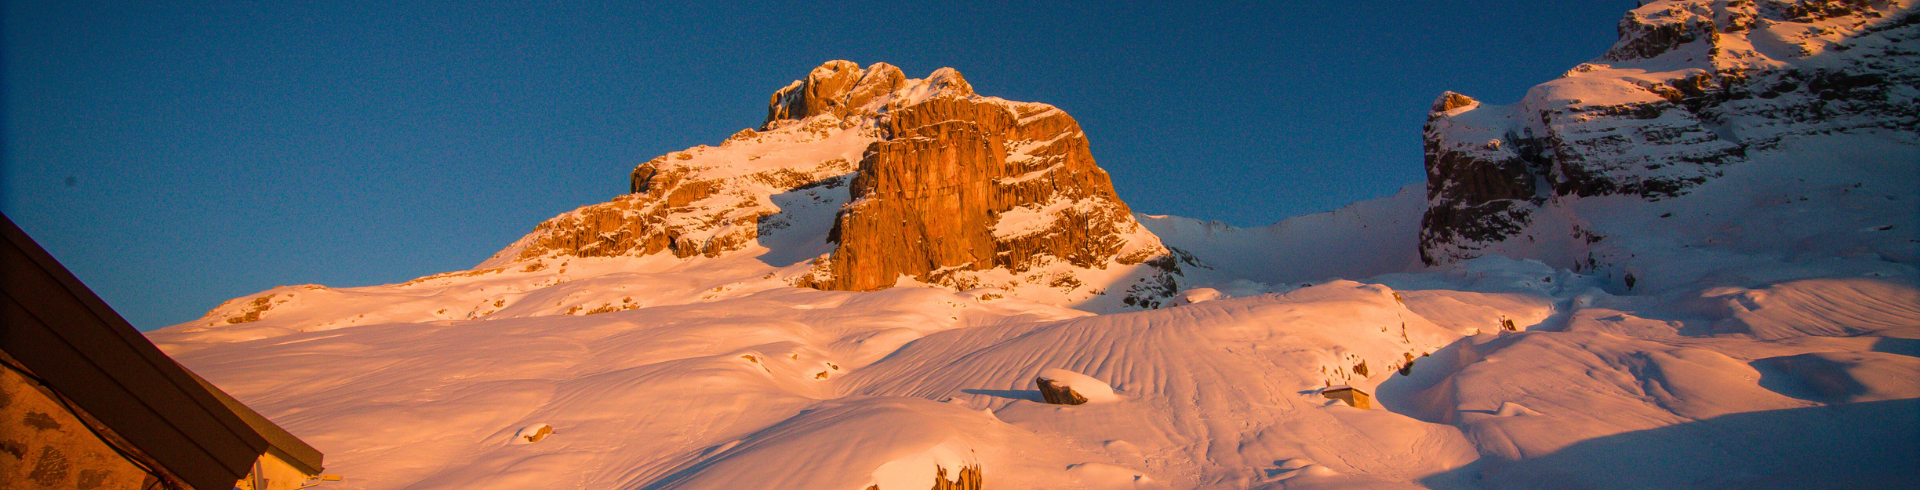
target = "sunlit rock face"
x: 703, y: 201
x: 838, y: 88
x: 923, y: 180
x: 1691, y: 89
x: 962, y: 183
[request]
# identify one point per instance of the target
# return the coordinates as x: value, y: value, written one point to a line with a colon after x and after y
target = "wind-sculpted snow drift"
x: 860, y: 294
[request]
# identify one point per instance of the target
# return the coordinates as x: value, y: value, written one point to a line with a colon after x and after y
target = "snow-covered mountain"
x: 1690, y: 263
x: 871, y: 178
x: 1712, y: 131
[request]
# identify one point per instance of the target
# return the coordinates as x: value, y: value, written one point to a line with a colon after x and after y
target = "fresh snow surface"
x: 1769, y: 339
x: 1805, y: 382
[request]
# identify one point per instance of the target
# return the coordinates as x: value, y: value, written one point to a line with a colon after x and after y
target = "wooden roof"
x: 122, y: 385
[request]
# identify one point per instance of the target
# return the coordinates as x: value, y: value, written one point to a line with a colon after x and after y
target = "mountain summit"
x: 873, y: 178
x: 1691, y: 91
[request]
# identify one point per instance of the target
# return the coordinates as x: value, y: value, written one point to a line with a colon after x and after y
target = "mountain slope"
x: 1807, y: 107
x: 817, y: 389
x: 874, y: 178
x: 1746, y: 314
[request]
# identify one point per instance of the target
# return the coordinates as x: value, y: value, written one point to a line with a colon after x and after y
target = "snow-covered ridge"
x: 1695, y: 92
x: 1759, y: 328
x: 801, y: 188
x: 707, y: 200
x: 763, y: 207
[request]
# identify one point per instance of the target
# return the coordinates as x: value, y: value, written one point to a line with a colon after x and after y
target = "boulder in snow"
x: 1063, y: 387
x: 1353, y: 396
x: 533, y: 433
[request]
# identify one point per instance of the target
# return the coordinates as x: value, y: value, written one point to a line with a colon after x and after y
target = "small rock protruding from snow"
x: 1353, y: 396
x: 967, y: 479
x: 1063, y: 387
x: 954, y: 467
x: 533, y: 433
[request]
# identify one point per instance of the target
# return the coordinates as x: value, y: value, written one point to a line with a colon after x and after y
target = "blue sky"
x: 178, y: 154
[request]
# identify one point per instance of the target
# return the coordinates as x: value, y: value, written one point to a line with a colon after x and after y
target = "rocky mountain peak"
x: 861, y: 178
x: 1449, y: 101
x: 1691, y: 89
x: 944, y: 82
x: 967, y: 191
x: 1789, y: 29
x: 836, y: 87
x: 846, y: 91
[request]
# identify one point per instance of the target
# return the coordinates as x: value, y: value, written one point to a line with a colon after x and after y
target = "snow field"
x: 1768, y: 338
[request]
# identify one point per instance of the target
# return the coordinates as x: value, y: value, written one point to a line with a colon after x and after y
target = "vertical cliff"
x: 960, y: 184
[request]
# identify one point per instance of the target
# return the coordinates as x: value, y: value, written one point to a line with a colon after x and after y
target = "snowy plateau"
x: 1688, y: 263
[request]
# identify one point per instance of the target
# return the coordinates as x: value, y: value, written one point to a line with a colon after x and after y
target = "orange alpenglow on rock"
x: 533, y: 433
x: 911, y: 179
x: 966, y: 183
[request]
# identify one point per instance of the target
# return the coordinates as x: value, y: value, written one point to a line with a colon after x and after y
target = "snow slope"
x: 799, y: 388
x: 1760, y: 331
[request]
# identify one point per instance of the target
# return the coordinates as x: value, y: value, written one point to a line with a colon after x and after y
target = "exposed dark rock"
x: 1058, y: 394
x: 1354, y: 397
x: 968, y: 479
x: 1490, y: 169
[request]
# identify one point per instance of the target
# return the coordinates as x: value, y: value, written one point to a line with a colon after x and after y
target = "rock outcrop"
x: 960, y: 184
x: 704, y: 201
x: 968, y: 478
x: 1058, y: 394
x: 837, y: 88
x: 1063, y: 387
x: 924, y: 180
x: 1475, y: 193
x: 1691, y: 88
x: 1354, y: 397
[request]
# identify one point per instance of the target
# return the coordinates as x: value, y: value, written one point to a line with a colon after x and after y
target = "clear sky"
x: 178, y: 154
